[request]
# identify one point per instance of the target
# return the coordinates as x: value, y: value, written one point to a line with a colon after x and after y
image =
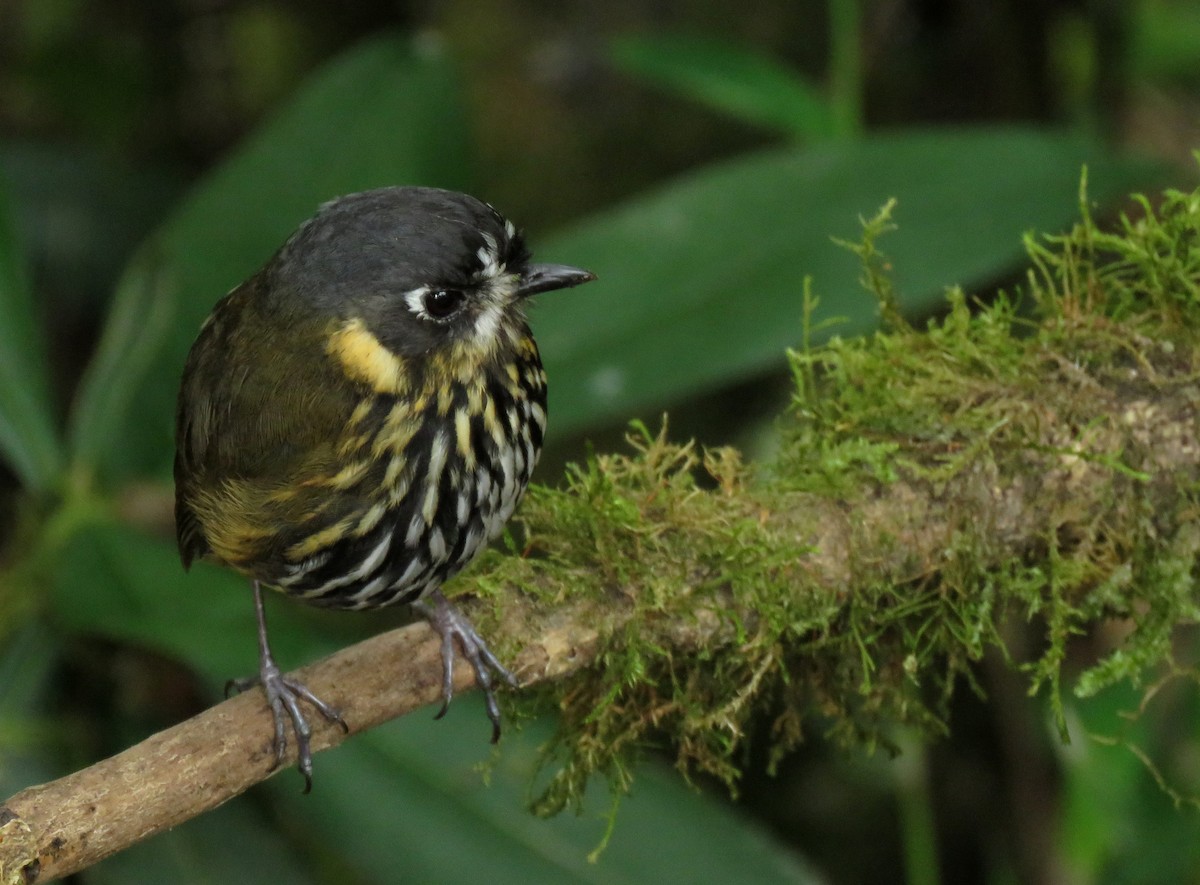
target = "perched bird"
x: 361, y: 416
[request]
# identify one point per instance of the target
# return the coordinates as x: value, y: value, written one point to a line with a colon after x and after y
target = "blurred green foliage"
x: 27, y: 437
x: 737, y: 81
x: 701, y: 288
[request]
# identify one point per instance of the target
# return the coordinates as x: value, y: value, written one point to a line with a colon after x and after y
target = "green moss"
x: 719, y: 607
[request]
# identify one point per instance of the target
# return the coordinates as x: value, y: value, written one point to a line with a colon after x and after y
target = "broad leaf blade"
x: 386, y: 112
x: 115, y: 582
x: 665, y: 832
x: 701, y: 281
x: 30, y: 743
x: 234, y: 843
x: 740, y: 82
x: 29, y: 442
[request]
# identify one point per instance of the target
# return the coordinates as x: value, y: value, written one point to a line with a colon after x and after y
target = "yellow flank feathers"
x: 527, y: 349
x: 351, y: 444
x: 233, y: 534
x: 401, y: 424
x: 363, y: 358
x: 348, y: 476
x: 462, y: 435
x: 491, y: 423
x: 370, y: 519
x: 474, y: 399
x: 396, y: 465
x: 360, y: 413
x: 237, y: 542
x: 317, y: 541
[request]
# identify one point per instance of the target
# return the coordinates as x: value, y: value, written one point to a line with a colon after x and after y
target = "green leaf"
x: 386, y: 112
x: 741, y: 82
x: 701, y: 281
x: 233, y: 843
x: 1164, y: 40
x: 83, y: 211
x: 386, y: 800
x: 28, y: 439
x: 30, y: 739
x: 113, y: 581
x: 1112, y: 803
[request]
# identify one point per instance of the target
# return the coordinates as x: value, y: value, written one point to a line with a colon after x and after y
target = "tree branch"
x: 58, y: 828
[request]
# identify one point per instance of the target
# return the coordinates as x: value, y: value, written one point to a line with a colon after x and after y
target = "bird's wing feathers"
x: 260, y: 412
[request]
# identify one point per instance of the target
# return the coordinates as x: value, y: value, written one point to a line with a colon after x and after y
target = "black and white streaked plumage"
x: 361, y: 417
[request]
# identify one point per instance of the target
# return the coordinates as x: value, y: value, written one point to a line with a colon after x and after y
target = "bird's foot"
x: 284, y: 696
x: 449, y: 623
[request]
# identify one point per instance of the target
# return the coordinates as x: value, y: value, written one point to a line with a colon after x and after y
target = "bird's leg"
x: 284, y: 696
x: 449, y: 622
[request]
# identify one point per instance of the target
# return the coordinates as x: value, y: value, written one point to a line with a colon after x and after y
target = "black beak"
x: 548, y: 277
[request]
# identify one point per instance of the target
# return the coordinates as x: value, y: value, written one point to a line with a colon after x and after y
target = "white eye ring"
x: 435, y: 304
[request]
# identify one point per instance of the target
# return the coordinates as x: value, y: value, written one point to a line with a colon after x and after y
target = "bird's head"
x: 405, y: 273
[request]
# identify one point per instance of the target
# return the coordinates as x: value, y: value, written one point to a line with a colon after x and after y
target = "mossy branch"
x: 929, y: 486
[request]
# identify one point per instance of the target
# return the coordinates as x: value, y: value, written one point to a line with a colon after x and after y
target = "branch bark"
x: 64, y: 826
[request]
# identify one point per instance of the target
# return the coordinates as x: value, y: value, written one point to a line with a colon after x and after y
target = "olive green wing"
x: 261, y: 413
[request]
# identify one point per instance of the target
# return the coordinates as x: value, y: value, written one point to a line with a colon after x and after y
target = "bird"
x: 360, y: 418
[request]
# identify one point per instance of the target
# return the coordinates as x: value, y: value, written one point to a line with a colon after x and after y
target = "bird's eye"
x: 440, y: 304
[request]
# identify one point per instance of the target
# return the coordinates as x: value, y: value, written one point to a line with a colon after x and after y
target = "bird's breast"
x: 426, y: 481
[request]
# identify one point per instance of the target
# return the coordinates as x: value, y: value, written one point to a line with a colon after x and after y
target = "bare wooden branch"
x: 58, y: 828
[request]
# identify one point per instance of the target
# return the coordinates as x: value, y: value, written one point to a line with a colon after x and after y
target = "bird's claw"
x: 284, y: 696
x: 449, y: 623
